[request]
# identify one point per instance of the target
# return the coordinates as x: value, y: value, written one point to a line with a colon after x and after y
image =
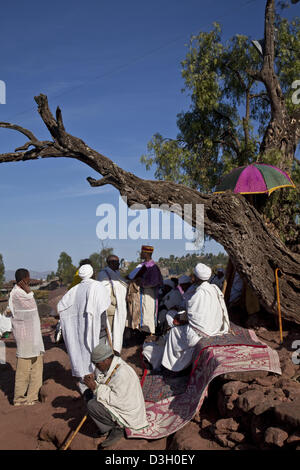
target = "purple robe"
x: 151, y: 275
x: 150, y: 278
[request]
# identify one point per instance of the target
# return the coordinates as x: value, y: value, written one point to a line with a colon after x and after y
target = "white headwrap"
x: 85, y: 271
x: 202, y: 271
x: 168, y: 282
x: 184, y: 279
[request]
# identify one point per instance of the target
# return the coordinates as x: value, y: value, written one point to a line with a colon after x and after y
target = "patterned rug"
x: 157, y: 386
x: 171, y: 402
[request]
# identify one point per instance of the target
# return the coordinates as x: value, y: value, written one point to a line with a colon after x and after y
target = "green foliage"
x: 283, y: 206
x: 212, y: 137
x: 51, y: 276
x: 185, y: 264
x: 229, y: 113
x: 2, y: 271
x: 98, y: 260
x: 41, y: 295
x: 131, y: 266
x: 287, y: 64
x: 65, y: 270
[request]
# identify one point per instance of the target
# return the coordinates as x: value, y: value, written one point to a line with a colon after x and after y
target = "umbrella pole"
x: 278, y: 305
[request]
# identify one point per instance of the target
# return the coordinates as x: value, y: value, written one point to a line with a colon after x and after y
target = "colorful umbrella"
x: 254, y: 179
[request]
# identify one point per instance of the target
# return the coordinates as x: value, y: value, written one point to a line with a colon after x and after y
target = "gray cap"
x: 102, y: 351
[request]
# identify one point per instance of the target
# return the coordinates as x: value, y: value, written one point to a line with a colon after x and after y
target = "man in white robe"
x: 169, y: 296
x: 207, y: 316
x: 185, y: 291
x: 116, y: 286
x: 83, y: 320
x: 118, y: 398
x: 26, y: 328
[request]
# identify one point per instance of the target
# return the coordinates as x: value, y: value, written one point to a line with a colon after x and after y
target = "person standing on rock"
x: 116, y: 285
x: 26, y: 328
x: 148, y: 279
x: 118, y: 401
x: 83, y: 320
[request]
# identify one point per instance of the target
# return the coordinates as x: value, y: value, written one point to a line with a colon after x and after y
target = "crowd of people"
x: 172, y: 314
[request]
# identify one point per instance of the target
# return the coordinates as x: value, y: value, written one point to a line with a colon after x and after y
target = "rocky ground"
x: 256, y: 410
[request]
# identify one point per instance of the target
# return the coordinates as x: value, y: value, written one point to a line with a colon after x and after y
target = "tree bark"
x: 228, y: 218
x: 283, y: 131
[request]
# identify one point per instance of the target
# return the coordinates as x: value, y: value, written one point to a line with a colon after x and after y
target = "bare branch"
x: 262, y: 95
x: 255, y: 74
x: 59, y: 119
x: 26, y: 132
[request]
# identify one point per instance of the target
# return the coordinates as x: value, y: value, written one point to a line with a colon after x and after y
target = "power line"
x: 130, y: 63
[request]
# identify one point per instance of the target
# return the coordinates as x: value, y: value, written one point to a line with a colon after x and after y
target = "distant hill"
x: 10, y: 275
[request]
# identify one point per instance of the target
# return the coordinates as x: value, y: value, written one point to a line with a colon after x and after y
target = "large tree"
x: 253, y: 247
x: 241, y: 111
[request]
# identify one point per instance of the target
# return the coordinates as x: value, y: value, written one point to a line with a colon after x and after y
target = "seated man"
x: 118, y: 398
x: 168, y: 293
x: 185, y: 293
x: 206, y: 316
x: 218, y: 277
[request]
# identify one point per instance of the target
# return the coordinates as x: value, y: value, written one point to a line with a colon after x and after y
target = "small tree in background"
x: 51, y: 276
x: 66, y: 270
x: 98, y: 260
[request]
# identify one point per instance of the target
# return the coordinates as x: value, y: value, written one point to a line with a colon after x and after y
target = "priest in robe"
x: 146, y: 280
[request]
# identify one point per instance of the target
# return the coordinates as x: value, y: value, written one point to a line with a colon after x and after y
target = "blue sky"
x: 114, y: 69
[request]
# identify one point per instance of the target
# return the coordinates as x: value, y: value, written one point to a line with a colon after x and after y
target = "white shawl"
x: 171, y: 299
x: 122, y: 396
x: 80, y: 315
x: 26, y: 325
x: 207, y: 310
x: 113, y: 280
x: 207, y: 313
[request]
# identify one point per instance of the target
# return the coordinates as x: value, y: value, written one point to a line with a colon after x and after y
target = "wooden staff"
x: 109, y: 339
x: 278, y: 304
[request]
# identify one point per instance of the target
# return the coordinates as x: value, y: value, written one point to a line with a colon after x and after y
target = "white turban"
x: 169, y: 283
x: 184, y: 279
x: 85, y: 271
x: 202, y: 271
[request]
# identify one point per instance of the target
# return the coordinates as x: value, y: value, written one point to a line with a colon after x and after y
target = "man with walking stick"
x: 118, y: 401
